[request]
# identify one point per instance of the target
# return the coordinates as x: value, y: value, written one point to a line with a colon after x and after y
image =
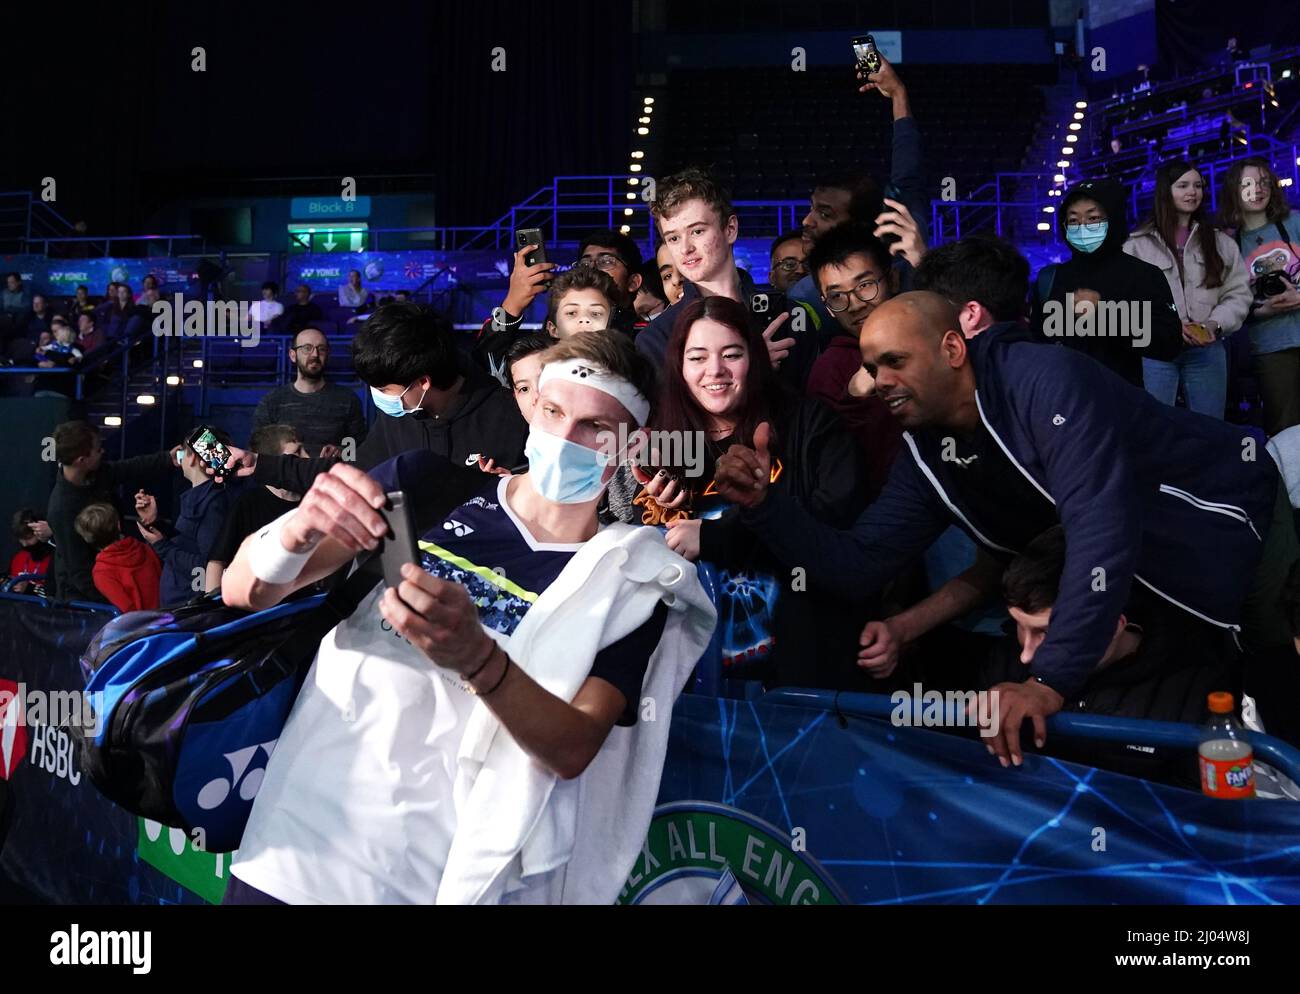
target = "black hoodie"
x: 484, y: 420
x: 1118, y: 279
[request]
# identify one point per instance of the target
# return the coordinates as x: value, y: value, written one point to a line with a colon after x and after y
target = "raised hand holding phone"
x: 779, y: 349
x: 531, y: 274
x: 899, y: 223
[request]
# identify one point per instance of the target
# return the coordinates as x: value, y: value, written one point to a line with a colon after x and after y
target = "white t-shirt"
x: 266, y: 311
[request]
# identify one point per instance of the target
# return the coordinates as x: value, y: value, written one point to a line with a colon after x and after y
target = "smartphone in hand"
x: 866, y: 54
x: 768, y: 304
x: 203, y: 443
x: 532, y: 236
x: 399, y: 546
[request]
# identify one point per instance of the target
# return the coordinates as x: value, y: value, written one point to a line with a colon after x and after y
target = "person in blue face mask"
x: 427, y: 395
x: 1109, y: 305
x: 522, y: 633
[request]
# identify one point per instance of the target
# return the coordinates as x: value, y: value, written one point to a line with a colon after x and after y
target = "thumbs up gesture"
x: 743, y: 473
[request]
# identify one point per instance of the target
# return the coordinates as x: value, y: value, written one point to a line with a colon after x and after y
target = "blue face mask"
x: 392, y: 406
x: 563, y: 472
x: 1084, y: 237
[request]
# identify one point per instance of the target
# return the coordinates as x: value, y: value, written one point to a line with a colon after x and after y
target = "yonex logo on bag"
x: 215, y: 792
x: 1058, y: 420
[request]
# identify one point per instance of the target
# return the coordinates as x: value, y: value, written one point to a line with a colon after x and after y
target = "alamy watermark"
x: 1087, y: 318
x: 181, y: 318
x: 686, y: 449
x: 57, y: 708
x: 916, y: 708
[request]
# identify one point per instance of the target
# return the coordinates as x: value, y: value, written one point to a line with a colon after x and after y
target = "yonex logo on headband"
x: 599, y: 378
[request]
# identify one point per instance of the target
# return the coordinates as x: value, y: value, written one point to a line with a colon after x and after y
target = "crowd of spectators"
x: 833, y: 401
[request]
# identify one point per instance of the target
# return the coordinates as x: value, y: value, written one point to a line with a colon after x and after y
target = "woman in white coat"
x: 1208, y: 281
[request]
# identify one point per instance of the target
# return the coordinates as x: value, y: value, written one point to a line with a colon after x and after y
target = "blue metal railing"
x: 1096, y: 728
x: 36, y: 601
x: 107, y: 241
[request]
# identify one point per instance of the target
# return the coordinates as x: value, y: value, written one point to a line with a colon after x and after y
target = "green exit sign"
x: 304, y: 238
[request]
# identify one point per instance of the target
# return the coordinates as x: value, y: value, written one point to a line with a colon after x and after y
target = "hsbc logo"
x: 13, y: 729
x: 52, y: 751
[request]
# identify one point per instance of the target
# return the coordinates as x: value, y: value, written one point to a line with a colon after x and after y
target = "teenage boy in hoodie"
x: 1146, y: 493
x: 1104, y: 302
x: 185, y: 545
x: 126, y: 572
x: 428, y: 397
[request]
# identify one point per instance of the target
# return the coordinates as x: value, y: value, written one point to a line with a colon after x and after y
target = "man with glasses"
x: 324, y: 413
x: 853, y: 271
x: 788, y: 262
x: 612, y: 252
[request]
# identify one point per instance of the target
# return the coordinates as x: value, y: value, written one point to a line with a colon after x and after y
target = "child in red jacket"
x: 35, y: 554
x: 126, y: 571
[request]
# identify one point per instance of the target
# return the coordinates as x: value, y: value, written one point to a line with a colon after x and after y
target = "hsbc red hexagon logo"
x: 13, y: 729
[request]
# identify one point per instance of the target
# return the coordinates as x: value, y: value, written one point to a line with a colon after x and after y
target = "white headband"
x: 598, y: 378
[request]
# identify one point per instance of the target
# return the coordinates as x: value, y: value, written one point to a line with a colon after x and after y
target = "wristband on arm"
x: 269, y: 560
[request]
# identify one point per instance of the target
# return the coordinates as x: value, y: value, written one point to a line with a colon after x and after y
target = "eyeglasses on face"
x: 792, y: 266
x: 866, y: 291
x: 313, y: 349
x: 605, y: 262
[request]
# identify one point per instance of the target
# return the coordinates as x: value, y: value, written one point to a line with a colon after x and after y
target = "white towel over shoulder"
x: 522, y: 834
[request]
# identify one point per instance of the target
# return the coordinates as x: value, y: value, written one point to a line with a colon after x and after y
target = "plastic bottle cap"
x: 1221, y: 702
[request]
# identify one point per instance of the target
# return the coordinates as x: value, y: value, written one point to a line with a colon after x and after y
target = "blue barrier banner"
x: 389, y: 271
x: 803, y: 807
x: 759, y: 803
x: 67, y: 844
x: 61, y: 277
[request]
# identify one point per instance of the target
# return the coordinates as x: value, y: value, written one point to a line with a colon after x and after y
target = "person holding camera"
x: 1203, y: 268
x: 185, y: 544
x: 1267, y: 234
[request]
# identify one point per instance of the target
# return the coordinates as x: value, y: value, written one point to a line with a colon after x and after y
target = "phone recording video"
x: 204, y: 444
x: 866, y: 54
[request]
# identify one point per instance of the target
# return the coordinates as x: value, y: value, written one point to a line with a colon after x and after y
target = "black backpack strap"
x: 1281, y: 233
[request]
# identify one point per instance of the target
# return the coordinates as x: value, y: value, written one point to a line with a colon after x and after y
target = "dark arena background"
x: 288, y: 223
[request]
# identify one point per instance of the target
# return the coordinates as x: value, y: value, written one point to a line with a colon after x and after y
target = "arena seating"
x: 772, y: 132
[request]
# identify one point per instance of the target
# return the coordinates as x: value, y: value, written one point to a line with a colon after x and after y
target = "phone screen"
x: 211, y: 451
x: 864, y: 51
